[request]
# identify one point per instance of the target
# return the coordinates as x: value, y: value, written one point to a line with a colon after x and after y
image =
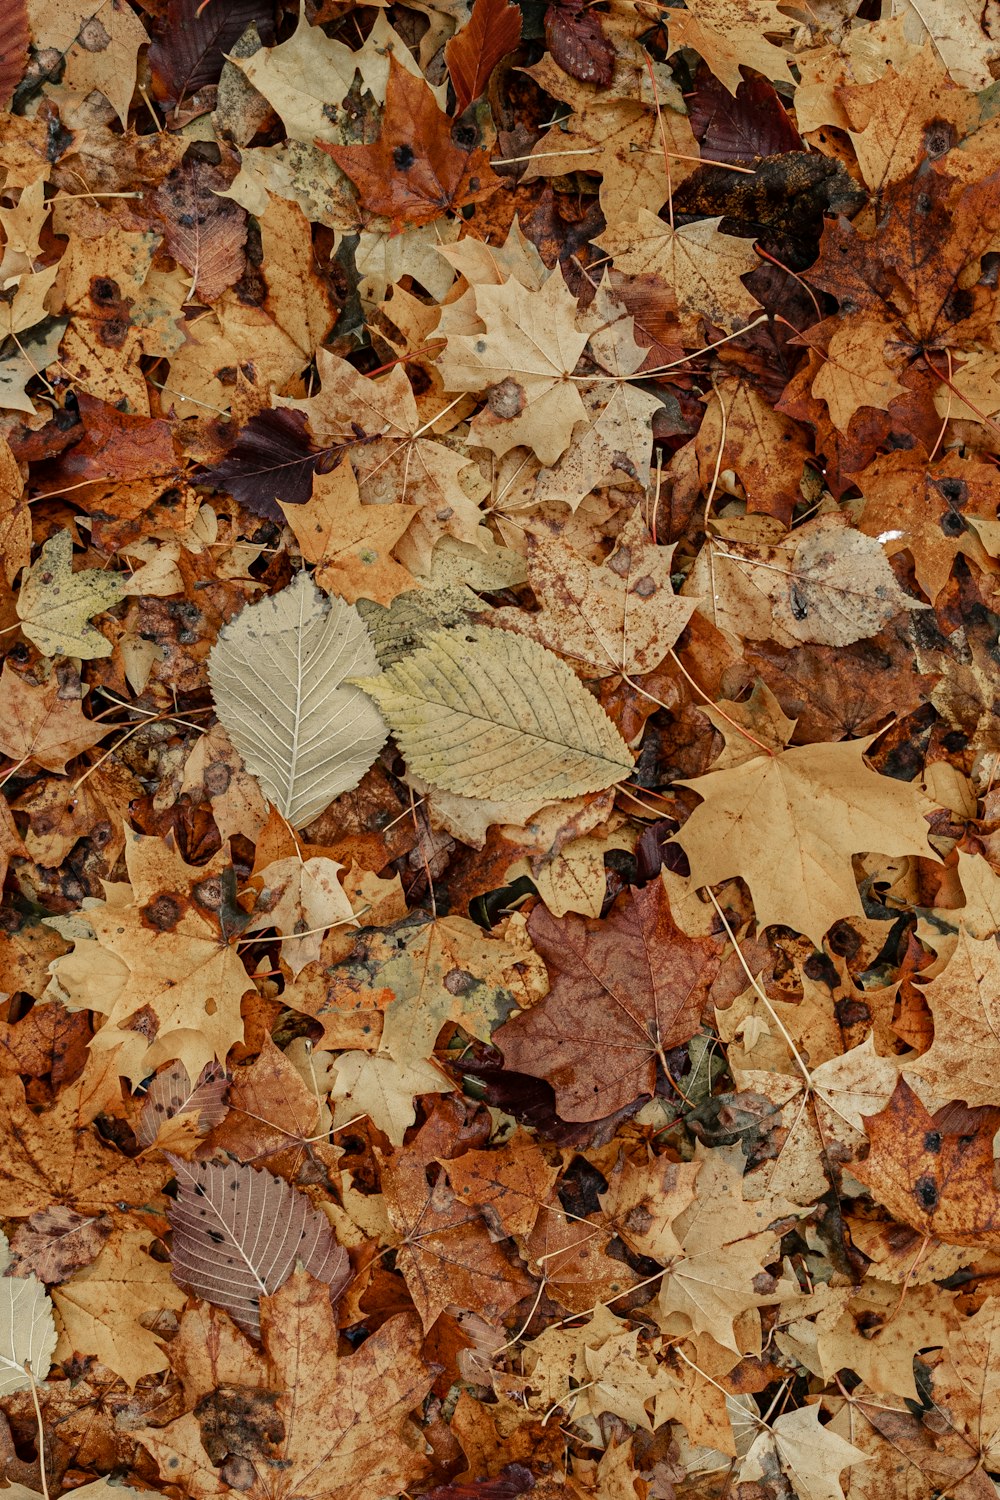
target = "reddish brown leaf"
x: 14, y: 37
x: 931, y: 1175
x: 414, y: 172
x: 578, y: 44
x: 743, y: 128
x: 115, y: 445
x: 625, y: 990
x: 493, y: 30
x: 204, y: 232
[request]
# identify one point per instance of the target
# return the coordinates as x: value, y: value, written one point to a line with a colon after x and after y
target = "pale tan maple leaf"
x: 701, y: 266
x: 523, y: 360
x: 854, y: 373
x: 816, y: 804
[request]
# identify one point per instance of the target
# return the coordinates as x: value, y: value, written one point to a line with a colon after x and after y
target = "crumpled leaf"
x: 487, y: 714
x: 55, y: 604
x: 278, y: 677
x: 238, y: 1233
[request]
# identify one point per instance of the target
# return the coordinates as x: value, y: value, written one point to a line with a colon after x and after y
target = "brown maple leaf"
x: 41, y: 723
x: 414, y: 172
x: 937, y: 1179
x: 625, y: 990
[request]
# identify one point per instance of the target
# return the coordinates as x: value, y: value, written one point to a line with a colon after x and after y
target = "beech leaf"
x: 487, y: 714
x: 238, y: 1232
x: 27, y: 1332
x: 278, y: 677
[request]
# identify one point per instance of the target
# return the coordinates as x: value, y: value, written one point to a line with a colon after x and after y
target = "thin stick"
x: 41, y: 1428
x: 807, y: 1076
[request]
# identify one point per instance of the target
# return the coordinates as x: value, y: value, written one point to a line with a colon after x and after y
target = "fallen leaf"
x: 219, y: 1252
x: 938, y: 1181
x: 634, y: 977
x: 100, y: 1307
x: 284, y: 720
x: 415, y: 172
x: 493, y: 29
x: 55, y: 604
x: 827, y: 804
x: 38, y: 723
x: 504, y: 719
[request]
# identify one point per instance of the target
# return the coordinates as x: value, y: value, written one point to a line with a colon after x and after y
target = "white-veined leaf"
x: 277, y: 674
x: 238, y: 1232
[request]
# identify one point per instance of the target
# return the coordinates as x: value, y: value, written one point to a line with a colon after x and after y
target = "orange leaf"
x: 414, y: 172
x: 493, y: 30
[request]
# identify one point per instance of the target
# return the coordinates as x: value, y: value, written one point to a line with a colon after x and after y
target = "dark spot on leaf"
x: 926, y: 1193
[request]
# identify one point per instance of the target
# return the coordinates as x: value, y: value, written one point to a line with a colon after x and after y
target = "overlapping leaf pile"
x: 499, y: 610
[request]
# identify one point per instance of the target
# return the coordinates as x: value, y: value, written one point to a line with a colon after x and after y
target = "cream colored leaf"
x: 810, y: 1455
x: 278, y: 676
x: 487, y: 714
x: 27, y: 1332
x: 301, y: 896
x: 701, y: 266
x: 383, y: 1089
x: 101, y: 1307
x: 55, y: 604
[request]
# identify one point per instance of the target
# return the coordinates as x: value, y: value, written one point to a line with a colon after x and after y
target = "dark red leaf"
x: 189, y: 52
x: 493, y: 30
x: 272, y: 458
x: 742, y: 129
x: 578, y: 44
x: 13, y: 47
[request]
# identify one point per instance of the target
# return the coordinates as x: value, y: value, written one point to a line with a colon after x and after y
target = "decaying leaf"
x: 56, y: 605
x: 828, y: 804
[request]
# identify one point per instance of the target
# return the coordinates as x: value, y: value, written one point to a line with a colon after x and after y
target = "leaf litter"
x: 499, y: 633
